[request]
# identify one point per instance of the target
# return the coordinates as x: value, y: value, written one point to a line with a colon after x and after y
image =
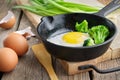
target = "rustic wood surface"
x: 29, y: 68
x: 104, y: 1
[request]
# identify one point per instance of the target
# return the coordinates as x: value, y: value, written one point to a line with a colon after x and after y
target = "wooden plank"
x: 105, y: 2
x: 89, y: 2
x: 35, y: 19
x: 45, y: 59
x: 64, y: 76
x: 4, y: 9
x: 108, y: 65
x: 115, y: 17
x: 115, y: 46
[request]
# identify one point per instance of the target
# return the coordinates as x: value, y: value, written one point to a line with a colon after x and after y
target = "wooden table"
x: 29, y: 68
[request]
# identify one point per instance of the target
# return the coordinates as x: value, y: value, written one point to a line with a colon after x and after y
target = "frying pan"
x: 51, y: 26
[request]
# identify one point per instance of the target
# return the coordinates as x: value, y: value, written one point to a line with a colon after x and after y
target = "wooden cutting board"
x: 112, y: 53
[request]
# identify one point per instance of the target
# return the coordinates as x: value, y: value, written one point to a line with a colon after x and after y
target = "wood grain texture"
x: 4, y: 10
x: 115, y: 17
x: 105, y: 2
x: 45, y: 59
x: 108, y: 65
x: 35, y: 19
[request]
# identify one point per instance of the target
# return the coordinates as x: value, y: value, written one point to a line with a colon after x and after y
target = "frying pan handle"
x: 98, y: 70
x: 113, y: 5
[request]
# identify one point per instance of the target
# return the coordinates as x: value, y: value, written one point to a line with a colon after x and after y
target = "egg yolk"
x: 73, y: 37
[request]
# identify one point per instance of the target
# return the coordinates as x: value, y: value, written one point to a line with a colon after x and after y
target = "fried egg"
x: 70, y: 39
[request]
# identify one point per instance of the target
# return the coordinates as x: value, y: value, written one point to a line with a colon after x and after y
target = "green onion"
x: 55, y: 7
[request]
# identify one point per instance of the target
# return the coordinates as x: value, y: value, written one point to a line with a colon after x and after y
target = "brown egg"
x: 8, y: 59
x: 16, y: 42
x: 8, y: 21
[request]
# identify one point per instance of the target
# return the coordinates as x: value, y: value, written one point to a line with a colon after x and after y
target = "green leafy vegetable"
x: 99, y: 33
x: 89, y: 42
x: 82, y: 27
x: 55, y: 7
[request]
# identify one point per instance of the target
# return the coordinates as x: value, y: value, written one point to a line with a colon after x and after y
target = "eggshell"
x: 8, y: 21
x: 16, y: 42
x: 9, y: 24
x: 8, y: 59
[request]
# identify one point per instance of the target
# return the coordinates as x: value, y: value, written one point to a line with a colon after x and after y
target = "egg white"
x: 59, y: 41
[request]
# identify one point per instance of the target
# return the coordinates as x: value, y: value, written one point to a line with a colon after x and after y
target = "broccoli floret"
x: 82, y: 27
x: 99, y: 33
x: 89, y: 42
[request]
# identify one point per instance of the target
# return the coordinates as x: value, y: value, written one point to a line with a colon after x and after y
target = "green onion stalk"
x: 55, y: 7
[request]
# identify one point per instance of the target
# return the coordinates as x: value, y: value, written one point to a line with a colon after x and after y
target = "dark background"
x: 0, y: 75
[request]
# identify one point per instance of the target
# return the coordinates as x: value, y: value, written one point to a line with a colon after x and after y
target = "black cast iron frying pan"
x: 55, y: 25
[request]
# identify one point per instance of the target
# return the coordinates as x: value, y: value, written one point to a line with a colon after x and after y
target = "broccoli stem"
x: 89, y: 42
